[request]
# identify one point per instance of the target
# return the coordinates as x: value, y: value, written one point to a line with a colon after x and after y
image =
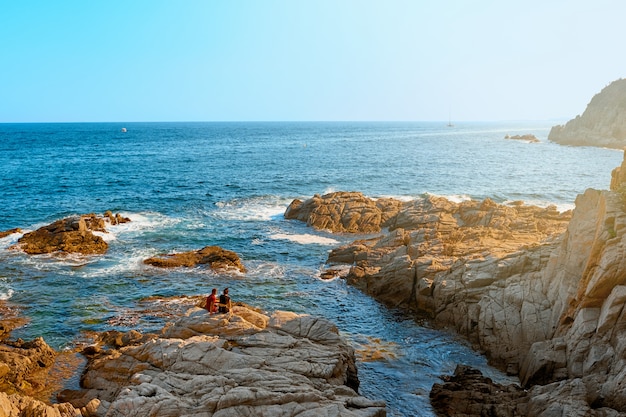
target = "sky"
x: 301, y: 60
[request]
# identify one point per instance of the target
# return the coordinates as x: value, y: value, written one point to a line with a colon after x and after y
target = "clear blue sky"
x: 203, y: 60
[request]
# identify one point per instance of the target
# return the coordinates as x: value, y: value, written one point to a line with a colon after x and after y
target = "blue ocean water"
x: 189, y: 185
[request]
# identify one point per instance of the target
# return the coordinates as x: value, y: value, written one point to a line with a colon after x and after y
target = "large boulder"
x: 20, y: 362
x: 468, y: 393
x: 213, y: 256
x: 350, y: 212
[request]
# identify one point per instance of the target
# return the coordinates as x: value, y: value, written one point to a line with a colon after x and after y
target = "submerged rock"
x: 526, y: 138
x: 214, y: 256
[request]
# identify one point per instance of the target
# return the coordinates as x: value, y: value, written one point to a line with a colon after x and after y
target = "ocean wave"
x: 140, y: 222
x: 55, y: 260
x: 265, y: 269
x: 403, y: 198
x: 304, y: 239
x: 116, y: 264
x: 561, y: 207
x: 6, y: 294
x: 455, y: 198
x: 263, y: 208
x: 10, y: 240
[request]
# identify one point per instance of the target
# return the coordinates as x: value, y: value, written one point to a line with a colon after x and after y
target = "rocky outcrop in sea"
x: 350, y: 212
x: 541, y: 293
x: 603, y: 122
x: 70, y: 235
x: 213, y: 256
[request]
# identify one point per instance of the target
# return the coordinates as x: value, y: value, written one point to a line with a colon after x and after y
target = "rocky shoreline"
x: 541, y: 293
x: 239, y: 363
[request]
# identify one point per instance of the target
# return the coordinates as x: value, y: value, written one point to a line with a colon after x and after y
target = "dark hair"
x: 225, y: 290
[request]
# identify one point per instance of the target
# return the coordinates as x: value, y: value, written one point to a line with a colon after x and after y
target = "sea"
x: 189, y: 185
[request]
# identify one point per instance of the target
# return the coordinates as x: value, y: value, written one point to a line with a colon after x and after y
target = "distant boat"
x: 123, y: 129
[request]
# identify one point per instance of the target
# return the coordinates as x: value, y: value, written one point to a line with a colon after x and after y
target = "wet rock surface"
x: 70, y: 235
x: 213, y: 256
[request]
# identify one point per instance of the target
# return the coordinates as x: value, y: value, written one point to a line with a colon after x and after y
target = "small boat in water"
x: 123, y: 129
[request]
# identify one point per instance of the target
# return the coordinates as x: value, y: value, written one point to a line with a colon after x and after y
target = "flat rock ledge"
x: 243, y: 363
x: 70, y: 235
x: 214, y: 256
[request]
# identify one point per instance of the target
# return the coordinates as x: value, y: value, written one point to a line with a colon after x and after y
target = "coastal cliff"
x: 541, y: 293
x: 603, y: 122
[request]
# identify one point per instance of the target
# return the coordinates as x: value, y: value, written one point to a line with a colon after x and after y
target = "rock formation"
x: 70, y: 235
x: 214, y: 256
x: 116, y: 218
x: 10, y: 232
x: 543, y: 296
x: 602, y: 124
x: 469, y: 393
x: 240, y: 363
x: 24, y: 370
x: 344, y: 212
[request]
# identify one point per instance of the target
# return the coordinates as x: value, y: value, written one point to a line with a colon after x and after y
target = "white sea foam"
x: 6, y: 294
x: 304, y: 239
x: 107, y: 237
x: 56, y: 260
x: 455, y: 198
x: 254, y: 209
x: 342, y: 271
x: 263, y: 269
x: 398, y: 197
x: 563, y: 207
x: 120, y: 263
x: 140, y: 222
x: 10, y: 240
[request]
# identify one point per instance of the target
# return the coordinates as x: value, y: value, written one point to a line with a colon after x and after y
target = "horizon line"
x: 295, y: 121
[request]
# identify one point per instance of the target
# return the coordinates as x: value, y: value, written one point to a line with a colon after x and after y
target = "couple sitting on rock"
x: 212, y: 304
